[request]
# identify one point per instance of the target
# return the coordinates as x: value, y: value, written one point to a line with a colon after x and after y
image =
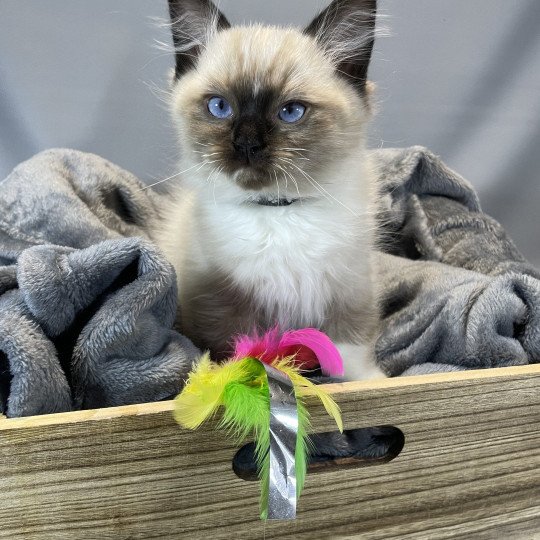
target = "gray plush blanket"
x: 88, y: 304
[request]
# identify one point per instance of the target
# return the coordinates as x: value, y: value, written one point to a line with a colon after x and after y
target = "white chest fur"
x: 295, y: 260
x: 300, y: 264
x: 292, y: 260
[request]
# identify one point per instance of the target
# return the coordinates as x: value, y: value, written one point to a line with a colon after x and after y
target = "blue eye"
x: 292, y: 112
x: 219, y: 107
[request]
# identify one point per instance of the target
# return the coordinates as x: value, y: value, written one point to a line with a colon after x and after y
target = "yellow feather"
x: 202, y: 395
x: 198, y: 399
x: 305, y: 387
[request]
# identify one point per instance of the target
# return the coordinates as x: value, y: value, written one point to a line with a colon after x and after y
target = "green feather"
x: 241, y: 388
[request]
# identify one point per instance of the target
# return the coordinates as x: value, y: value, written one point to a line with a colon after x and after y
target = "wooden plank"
x: 470, y: 469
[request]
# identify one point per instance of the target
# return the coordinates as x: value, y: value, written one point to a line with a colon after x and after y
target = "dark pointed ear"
x: 346, y: 31
x: 193, y: 22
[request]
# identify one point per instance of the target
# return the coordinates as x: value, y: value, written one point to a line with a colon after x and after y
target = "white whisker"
x: 315, y: 184
x: 169, y: 177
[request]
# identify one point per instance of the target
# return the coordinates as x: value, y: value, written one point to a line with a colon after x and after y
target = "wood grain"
x: 470, y: 469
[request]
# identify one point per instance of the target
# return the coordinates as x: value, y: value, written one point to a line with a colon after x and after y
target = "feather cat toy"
x: 261, y: 391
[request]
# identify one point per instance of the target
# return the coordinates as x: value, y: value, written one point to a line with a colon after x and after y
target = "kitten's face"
x: 265, y: 103
x: 268, y: 109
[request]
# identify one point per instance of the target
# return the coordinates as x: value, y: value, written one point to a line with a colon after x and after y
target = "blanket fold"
x: 455, y: 291
x: 88, y: 303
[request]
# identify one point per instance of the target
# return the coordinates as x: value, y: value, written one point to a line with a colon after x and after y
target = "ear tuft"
x: 193, y: 23
x: 346, y: 32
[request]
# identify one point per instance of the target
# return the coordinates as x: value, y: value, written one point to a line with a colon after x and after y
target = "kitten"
x: 272, y: 222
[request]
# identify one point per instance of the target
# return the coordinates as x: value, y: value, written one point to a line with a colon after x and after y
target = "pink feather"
x: 310, y: 348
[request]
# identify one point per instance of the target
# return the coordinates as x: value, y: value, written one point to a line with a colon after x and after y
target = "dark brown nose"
x: 248, y: 140
x: 248, y: 151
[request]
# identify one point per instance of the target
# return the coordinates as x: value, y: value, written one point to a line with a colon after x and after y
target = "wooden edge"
x: 335, y: 389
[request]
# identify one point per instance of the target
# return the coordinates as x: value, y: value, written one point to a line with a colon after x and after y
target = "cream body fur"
x: 244, y: 265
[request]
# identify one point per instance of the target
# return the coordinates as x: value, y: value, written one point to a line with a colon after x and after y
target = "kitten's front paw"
x: 359, y: 362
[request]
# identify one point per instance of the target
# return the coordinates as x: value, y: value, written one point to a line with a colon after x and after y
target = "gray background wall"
x: 461, y: 77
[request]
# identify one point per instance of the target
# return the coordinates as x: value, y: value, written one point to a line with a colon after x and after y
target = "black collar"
x: 265, y: 201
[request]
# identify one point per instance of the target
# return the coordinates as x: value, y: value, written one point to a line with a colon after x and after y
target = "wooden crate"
x: 470, y: 468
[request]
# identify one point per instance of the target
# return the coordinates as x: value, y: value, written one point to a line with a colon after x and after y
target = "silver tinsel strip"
x: 283, y: 433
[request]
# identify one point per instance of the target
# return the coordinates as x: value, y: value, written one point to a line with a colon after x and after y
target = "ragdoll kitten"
x: 272, y: 222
